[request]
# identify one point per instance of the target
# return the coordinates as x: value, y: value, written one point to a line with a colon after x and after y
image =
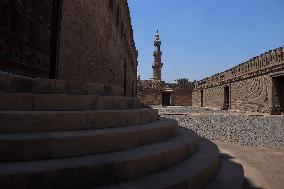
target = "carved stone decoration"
x: 24, y: 33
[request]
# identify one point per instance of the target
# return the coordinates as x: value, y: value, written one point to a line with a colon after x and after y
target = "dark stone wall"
x: 25, y: 37
x: 96, y: 43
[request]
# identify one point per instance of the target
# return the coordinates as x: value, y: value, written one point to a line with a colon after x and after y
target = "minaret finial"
x: 157, y: 65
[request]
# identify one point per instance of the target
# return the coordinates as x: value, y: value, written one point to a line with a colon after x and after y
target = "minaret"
x: 157, y: 65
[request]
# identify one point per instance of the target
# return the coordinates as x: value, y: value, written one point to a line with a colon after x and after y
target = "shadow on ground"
x: 249, y: 185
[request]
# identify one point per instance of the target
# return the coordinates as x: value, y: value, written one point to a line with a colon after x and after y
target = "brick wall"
x: 96, y: 43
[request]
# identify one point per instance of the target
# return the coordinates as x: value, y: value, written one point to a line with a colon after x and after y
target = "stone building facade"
x: 255, y: 86
x: 69, y: 113
x: 156, y: 91
x: 86, y: 41
x: 161, y: 93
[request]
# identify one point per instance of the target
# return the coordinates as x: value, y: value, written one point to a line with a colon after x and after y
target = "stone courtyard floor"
x: 255, y: 140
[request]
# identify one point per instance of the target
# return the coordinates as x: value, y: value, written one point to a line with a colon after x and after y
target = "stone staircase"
x: 67, y: 134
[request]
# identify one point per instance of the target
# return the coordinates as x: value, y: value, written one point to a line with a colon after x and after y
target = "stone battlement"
x: 263, y: 64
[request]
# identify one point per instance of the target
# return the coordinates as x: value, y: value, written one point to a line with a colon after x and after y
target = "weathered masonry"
x: 256, y: 86
x: 86, y: 41
x: 69, y: 113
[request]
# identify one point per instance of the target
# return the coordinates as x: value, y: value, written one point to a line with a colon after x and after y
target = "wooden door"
x: 226, y: 103
x: 26, y: 36
x: 166, y: 99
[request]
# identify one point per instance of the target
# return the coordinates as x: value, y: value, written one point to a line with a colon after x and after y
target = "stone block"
x: 22, y: 102
x: 174, y: 155
x: 154, y: 134
x: 113, y: 102
x: 13, y: 148
x: 148, y: 115
x: 27, y: 122
x: 61, y: 102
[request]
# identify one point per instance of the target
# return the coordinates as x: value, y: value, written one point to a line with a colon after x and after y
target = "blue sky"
x: 203, y: 37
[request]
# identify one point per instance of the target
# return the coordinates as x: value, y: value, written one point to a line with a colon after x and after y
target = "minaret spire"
x: 157, y: 65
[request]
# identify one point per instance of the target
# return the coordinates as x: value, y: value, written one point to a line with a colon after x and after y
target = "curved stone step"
x: 62, y: 102
x: 95, y: 170
x: 192, y: 173
x: 41, y: 121
x: 229, y: 176
x: 11, y: 83
x: 39, y: 146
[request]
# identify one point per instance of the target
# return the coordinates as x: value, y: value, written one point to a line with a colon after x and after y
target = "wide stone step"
x: 10, y: 83
x: 192, y: 173
x: 42, y: 121
x: 89, y: 171
x: 62, y: 102
x: 229, y: 176
x: 38, y: 146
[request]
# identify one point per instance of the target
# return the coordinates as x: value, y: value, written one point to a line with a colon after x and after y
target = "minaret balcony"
x: 157, y: 65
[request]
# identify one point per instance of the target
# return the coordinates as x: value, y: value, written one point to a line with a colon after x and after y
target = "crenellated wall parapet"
x: 266, y: 63
x: 162, y: 85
